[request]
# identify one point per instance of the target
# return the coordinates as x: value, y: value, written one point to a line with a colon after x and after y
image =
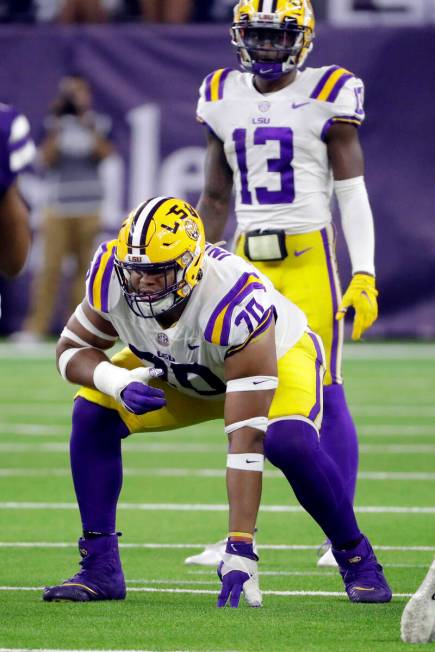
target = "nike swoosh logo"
x: 363, y: 588
x: 258, y: 382
x: 192, y: 347
x: 266, y: 70
x: 297, y: 105
x: 250, y: 461
x: 302, y: 252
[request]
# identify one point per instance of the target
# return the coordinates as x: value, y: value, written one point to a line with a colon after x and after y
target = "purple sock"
x: 96, y: 463
x: 338, y: 437
x: 293, y: 446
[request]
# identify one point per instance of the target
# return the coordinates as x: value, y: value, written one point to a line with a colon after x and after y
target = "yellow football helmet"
x: 163, y: 238
x: 273, y: 37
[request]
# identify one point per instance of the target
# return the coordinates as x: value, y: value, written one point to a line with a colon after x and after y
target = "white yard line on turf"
x: 194, y: 546
x: 151, y: 589
x: 372, y: 430
x: 199, y: 507
x: 361, y: 351
x: 188, y: 448
x: 33, y: 649
x: 208, y: 473
x: 60, y: 409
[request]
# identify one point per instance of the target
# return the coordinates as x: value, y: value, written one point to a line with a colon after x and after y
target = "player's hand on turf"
x: 137, y: 397
x: 362, y: 296
x: 239, y: 574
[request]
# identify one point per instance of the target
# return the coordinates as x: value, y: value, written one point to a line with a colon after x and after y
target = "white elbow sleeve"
x: 64, y: 360
x: 357, y: 221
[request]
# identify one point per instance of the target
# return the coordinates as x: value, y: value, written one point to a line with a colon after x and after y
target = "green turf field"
x: 174, y: 494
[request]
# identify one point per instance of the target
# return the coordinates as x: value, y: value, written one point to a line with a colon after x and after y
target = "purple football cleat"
x: 101, y: 576
x: 362, y: 574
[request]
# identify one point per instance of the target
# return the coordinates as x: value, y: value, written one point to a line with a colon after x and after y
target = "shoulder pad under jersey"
x: 100, y: 276
x: 343, y: 95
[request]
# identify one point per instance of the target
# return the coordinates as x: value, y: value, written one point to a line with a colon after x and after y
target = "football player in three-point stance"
x: 286, y: 138
x: 207, y: 337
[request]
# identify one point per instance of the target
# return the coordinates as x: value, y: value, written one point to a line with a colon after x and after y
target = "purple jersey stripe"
x: 105, y: 283
x: 222, y: 304
x: 316, y: 92
x: 335, y: 327
x: 93, y: 272
x: 320, y: 362
x: 226, y: 328
x: 222, y: 80
x: 208, y: 81
x: 339, y: 118
x: 261, y: 328
x: 338, y: 86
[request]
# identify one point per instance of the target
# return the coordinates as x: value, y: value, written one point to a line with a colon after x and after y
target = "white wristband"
x: 252, y: 384
x: 357, y: 221
x: 110, y: 379
x: 246, y: 462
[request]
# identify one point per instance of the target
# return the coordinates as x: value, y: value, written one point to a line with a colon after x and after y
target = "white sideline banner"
x: 384, y: 12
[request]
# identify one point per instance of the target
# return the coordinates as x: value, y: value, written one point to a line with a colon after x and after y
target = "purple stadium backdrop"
x: 146, y: 78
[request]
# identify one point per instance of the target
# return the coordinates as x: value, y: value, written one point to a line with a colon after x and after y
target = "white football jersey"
x: 231, y: 305
x: 275, y: 143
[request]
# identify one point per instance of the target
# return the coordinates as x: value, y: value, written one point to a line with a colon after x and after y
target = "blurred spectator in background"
x: 16, y: 154
x: 17, y: 11
x: 83, y: 11
x: 167, y: 11
x: 75, y: 143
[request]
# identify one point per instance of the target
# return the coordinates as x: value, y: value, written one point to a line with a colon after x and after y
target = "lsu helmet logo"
x: 273, y: 37
x: 163, y: 242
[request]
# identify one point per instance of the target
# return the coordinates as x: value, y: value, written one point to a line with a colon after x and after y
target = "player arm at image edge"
x: 14, y: 226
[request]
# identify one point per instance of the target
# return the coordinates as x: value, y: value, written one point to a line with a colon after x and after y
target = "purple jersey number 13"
x: 282, y: 165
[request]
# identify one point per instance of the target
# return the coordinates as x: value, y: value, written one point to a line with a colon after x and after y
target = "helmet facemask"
x: 268, y: 50
x: 273, y: 38
x: 170, y: 288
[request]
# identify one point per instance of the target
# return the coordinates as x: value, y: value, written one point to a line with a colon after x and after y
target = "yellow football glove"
x: 361, y: 296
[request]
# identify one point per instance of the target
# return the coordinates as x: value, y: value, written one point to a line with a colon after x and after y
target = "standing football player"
x: 17, y: 151
x: 286, y: 138
x: 224, y: 343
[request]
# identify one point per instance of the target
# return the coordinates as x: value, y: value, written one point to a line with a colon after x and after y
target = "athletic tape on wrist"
x: 241, y: 535
x: 64, y: 359
x: 110, y: 379
x: 252, y: 384
x: 259, y: 423
x: 245, y: 461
